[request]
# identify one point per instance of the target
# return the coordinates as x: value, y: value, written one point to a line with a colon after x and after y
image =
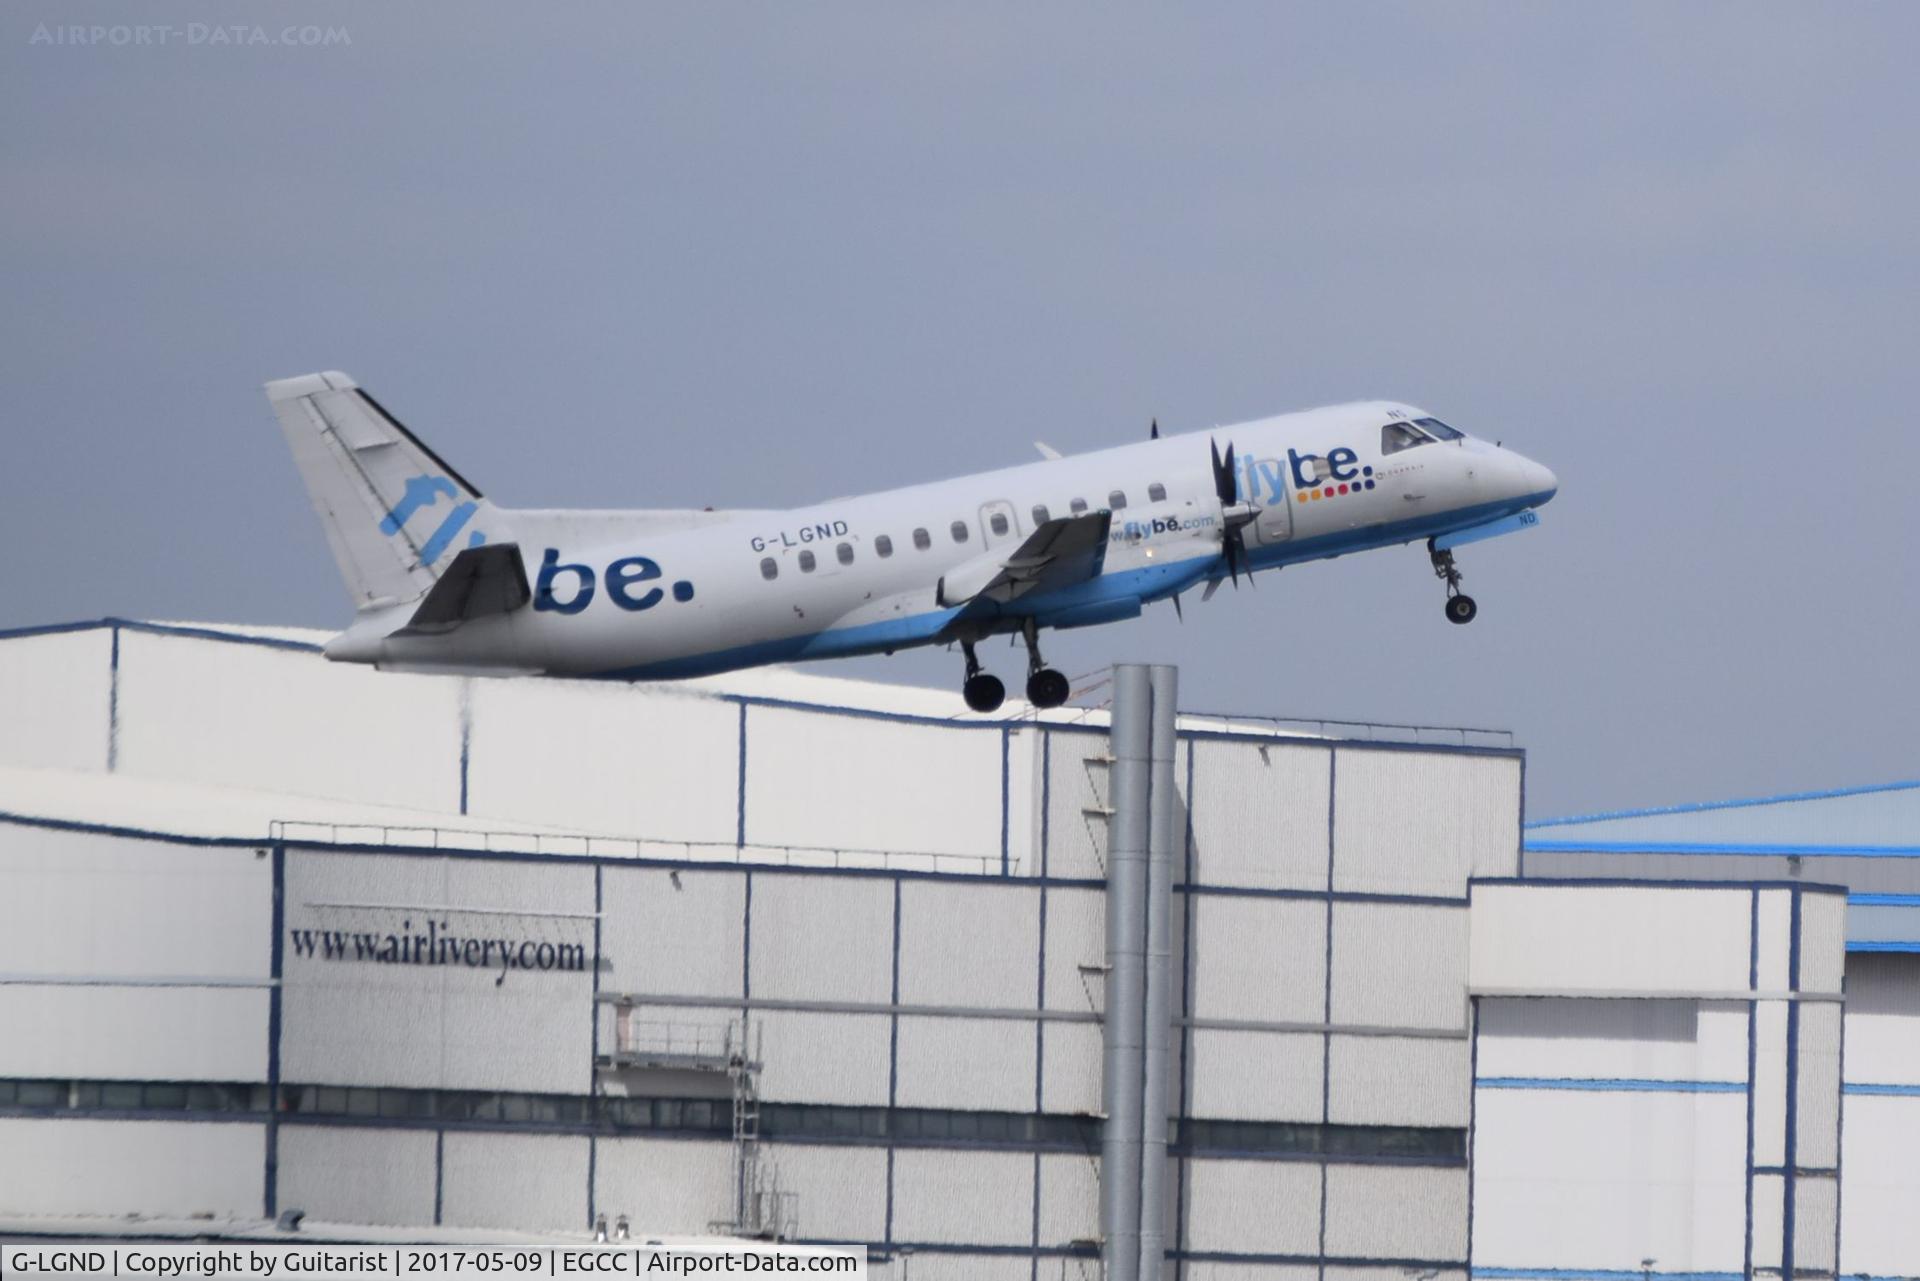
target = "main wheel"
x: 1461, y: 609
x: 1047, y: 688
x: 984, y: 693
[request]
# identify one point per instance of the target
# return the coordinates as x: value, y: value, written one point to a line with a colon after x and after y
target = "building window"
x: 769, y: 568
x: 1078, y: 506
x: 922, y: 540
x: 844, y: 553
x: 806, y: 562
x: 1156, y: 492
x: 959, y: 528
x: 1117, y: 499
x: 1040, y: 516
x: 998, y: 523
x: 883, y: 546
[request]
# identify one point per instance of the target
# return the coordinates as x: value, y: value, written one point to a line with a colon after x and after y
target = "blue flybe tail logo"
x: 425, y: 491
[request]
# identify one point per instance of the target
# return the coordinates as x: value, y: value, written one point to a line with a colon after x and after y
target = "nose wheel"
x: 1460, y: 607
x: 983, y: 691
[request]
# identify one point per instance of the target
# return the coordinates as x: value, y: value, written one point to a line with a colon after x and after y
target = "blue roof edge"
x: 1695, y: 807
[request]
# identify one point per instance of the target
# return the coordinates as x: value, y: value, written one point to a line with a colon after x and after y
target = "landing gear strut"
x: 1045, y: 686
x: 983, y: 691
x: 1460, y: 607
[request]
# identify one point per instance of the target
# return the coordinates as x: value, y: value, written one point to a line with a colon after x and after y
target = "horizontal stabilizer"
x: 490, y: 579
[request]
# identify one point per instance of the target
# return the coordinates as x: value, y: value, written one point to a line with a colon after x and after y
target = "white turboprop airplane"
x: 444, y: 581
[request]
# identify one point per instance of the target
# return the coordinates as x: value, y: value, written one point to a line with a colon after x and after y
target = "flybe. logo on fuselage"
x: 1313, y: 476
x: 622, y: 578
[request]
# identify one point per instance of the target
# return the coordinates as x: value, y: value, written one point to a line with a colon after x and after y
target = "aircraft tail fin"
x: 396, y: 515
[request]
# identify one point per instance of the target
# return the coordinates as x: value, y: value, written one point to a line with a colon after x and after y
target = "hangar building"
x: 777, y: 953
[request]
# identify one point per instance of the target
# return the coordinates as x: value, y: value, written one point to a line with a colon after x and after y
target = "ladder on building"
x: 761, y: 1209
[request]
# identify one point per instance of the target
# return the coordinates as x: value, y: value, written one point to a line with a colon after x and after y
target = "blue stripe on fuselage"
x: 1149, y: 583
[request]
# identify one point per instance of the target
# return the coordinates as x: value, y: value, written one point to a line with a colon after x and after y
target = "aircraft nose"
x: 1537, y: 480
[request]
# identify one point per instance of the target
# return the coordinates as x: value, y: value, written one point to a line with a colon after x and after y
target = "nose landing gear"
x: 1460, y: 607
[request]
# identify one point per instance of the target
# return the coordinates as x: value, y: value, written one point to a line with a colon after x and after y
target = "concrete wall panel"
x: 819, y: 937
x: 1770, y: 1084
x: 1378, y: 1211
x: 341, y: 1174
x: 978, y: 1064
x: 1071, y: 1081
x: 1256, y: 1076
x: 824, y: 1058
x: 70, y: 1166
x: 1076, y: 783
x: 1260, y: 815
x: 1076, y: 949
x: 663, y: 1186
x: 1396, y: 965
x: 1253, y: 1207
x: 135, y: 1033
x: 1671, y: 1040
x: 971, y: 945
x: 1545, y: 938
x: 625, y: 760
x: 858, y: 783
x: 1423, y: 822
x: 971, y: 1198
x: 841, y: 1191
x: 1259, y: 959
x: 1380, y: 1080
x: 1880, y: 1233
x: 673, y: 934
x: 530, y: 1183
x: 56, y: 691
x: 1070, y: 1199
x: 280, y: 721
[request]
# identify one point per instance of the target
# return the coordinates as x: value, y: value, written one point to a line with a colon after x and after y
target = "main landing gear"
x: 1460, y: 607
x: 984, y: 691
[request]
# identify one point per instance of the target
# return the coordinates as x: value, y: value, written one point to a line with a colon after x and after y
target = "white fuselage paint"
x: 734, y: 616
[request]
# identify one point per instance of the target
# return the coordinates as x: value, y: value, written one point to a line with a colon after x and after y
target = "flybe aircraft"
x: 444, y: 581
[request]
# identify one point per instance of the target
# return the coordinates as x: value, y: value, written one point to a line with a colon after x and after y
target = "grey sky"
x: 756, y: 255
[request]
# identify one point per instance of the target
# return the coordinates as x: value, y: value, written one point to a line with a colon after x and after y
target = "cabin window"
x: 769, y: 568
x: 883, y: 545
x: 1156, y: 492
x: 806, y: 562
x: 1040, y: 516
x: 922, y: 540
x: 1117, y: 499
x: 959, y: 528
x: 1395, y: 437
x: 844, y: 553
x: 1077, y: 506
x: 998, y: 523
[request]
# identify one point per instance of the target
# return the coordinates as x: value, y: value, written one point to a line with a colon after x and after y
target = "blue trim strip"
x: 1786, y: 798
x: 1884, y: 1089
x: 1756, y: 849
x: 159, y: 629
x: 1885, y: 900
x: 1608, y: 1085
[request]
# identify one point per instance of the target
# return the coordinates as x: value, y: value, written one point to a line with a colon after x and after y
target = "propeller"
x: 1235, y: 515
x: 1153, y: 432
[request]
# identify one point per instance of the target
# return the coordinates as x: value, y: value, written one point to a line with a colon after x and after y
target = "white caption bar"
x: 276, y: 1262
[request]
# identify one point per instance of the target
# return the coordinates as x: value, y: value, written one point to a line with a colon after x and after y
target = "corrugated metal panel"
x: 1823, y: 942
x: 1775, y: 961
x: 1069, y: 1199
x: 825, y: 1058
x: 841, y: 1191
x: 1259, y: 959
x: 165, y: 1168
x: 1396, y: 965
x: 532, y: 1183
x: 353, y: 1022
x: 1769, y: 1220
x: 1256, y: 1076
x: 628, y: 760
x: 1880, y: 1233
x: 969, y: 1198
x: 1816, y: 1222
x: 1378, y: 1080
x: 134, y: 1033
x: 821, y: 779
x: 1205, y: 1270
x: 1545, y: 937
x: 339, y: 1174
x: 957, y: 1266
x: 264, y: 717
x: 1076, y: 787
x: 1883, y: 1020
x: 1025, y: 787
x: 1378, y: 1211
x: 1602, y: 1179
x: 1071, y: 1057
x: 1818, y: 1095
x: 1260, y: 815
x: 973, y: 945
x: 1253, y: 1207
x: 663, y: 1186
x: 980, y: 1064
x: 1874, y: 816
x: 822, y: 938
x: 1861, y: 875
x: 667, y: 933
x: 1076, y: 949
x: 1633, y: 1040
x: 55, y: 693
x: 1770, y: 1084
x: 1423, y: 822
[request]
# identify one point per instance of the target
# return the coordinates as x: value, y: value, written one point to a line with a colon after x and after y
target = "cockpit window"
x: 1395, y: 437
x: 1437, y: 428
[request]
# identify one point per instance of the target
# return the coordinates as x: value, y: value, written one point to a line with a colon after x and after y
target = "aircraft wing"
x: 1059, y: 553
